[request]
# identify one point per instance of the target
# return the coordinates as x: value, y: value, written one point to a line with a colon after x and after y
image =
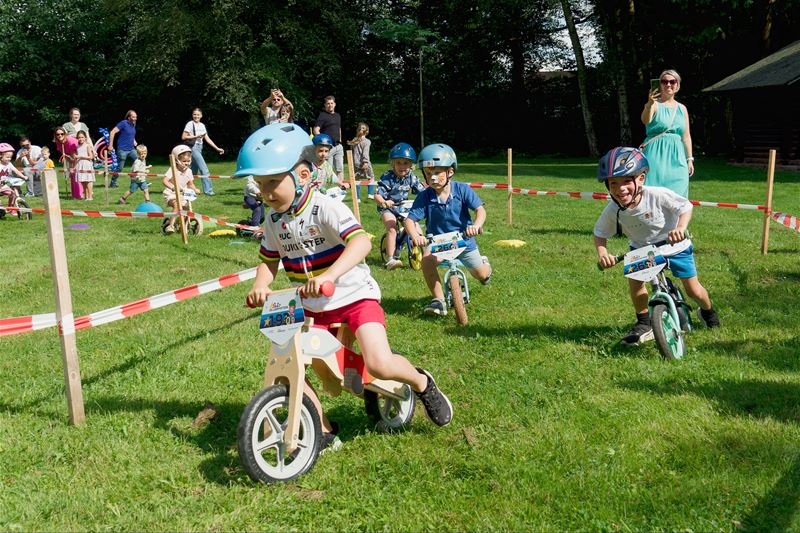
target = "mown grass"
x: 556, y: 427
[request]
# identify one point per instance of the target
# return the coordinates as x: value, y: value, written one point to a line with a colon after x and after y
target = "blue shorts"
x: 682, y: 264
x: 135, y: 185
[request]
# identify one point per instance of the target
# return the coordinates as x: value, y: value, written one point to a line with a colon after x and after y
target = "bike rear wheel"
x: 457, y: 296
x: 390, y: 414
x: 667, y: 332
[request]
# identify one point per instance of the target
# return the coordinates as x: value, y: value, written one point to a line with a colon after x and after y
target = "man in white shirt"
x: 27, y: 158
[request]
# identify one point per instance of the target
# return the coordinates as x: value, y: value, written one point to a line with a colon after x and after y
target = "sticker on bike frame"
x: 643, y: 264
x: 447, y: 246
x: 282, y: 316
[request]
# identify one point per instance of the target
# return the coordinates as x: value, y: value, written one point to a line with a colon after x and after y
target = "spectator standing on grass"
x: 668, y: 145
x: 126, y: 129
x: 194, y: 134
x: 74, y: 125
x: 84, y: 168
x: 277, y: 108
x: 28, y: 157
x: 330, y: 123
x: 68, y: 146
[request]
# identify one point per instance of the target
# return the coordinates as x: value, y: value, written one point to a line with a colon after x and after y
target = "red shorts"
x: 354, y: 315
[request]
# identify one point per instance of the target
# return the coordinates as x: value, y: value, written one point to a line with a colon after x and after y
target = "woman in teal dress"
x: 668, y: 145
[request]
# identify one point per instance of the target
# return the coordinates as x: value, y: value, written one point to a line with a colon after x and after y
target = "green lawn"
x: 556, y: 426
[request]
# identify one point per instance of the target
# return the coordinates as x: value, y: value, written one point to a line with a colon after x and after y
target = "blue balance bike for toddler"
x: 403, y: 241
x: 447, y: 247
x: 279, y: 434
x: 670, y: 314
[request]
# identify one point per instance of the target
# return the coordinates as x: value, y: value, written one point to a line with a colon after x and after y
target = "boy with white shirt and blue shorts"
x: 647, y: 215
x: 317, y: 239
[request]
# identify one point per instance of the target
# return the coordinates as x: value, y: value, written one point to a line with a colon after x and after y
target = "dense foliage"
x: 481, y: 63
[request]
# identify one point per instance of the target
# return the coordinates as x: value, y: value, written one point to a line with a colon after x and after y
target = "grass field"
x: 556, y: 426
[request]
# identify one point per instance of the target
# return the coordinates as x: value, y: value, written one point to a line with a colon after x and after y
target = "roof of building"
x: 779, y: 69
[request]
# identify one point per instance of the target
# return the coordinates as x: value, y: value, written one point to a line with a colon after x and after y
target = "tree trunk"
x: 591, y: 138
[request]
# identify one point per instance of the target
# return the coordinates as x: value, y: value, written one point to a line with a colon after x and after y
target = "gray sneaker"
x: 638, y: 334
x: 437, y: 405
x: 436, y: 307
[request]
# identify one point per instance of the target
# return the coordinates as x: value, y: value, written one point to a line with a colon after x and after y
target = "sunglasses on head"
x: 669, y: 82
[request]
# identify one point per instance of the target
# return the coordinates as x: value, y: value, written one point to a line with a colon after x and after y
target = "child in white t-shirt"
x: 183, y: 158
x: 647, y: 215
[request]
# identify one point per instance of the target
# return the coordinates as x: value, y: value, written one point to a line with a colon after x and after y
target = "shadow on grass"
x: 779, y: 355
x: 120, y: 368
x: 751, y: 398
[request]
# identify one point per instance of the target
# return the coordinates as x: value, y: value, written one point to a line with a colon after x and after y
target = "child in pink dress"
x: 84, y: 170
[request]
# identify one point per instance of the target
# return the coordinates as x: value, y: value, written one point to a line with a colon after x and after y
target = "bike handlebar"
x: 327, y: 289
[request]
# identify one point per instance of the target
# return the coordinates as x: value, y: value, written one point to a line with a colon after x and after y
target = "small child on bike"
x: 140, y: 169
x: 393, y: 188
x: 183, y: 160
x: 323, y: 175
x: 647, y: 215
x: 7, y: 170
x: 318, y: 239
x: 445, y: 207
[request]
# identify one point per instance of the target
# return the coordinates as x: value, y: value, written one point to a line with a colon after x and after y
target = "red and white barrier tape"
x: 133, y: 214
x: 602, y: 196
x: 24, y: 324
x: 785, y: 219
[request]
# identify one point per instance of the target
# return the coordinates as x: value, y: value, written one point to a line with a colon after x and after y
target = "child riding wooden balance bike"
x: 279, y: 433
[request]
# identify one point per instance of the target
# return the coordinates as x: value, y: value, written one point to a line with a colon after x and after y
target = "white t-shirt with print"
x: 308, y: 242
x: 196, y: 128
x: 649, y: 222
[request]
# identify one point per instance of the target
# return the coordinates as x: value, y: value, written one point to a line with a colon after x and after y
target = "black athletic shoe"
x: 436, y: 307
x: 638, y: 334
x: 437, y: 405
x: 710, y: 317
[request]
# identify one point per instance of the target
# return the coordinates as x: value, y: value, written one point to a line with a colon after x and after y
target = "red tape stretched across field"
x: 25, y: 324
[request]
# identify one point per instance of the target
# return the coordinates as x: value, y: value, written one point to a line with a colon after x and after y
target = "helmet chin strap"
x: 637, y: 191
x: 298, y: 192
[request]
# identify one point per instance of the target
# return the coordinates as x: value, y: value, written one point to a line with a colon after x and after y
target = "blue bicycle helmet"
x: 620, y: 162
x: 322, y: 139
x: 437, y: 155
x: 273, y: 149
x: 402, y: 151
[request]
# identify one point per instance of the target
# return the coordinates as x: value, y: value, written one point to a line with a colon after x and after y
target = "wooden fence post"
x: 66, y: 321
x: 353, y: 185
x: 768, y: 211
x: 105, y: 173
x: 510, y: 218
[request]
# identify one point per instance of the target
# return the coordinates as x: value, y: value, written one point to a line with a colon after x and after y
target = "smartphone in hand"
x: 655, y: 84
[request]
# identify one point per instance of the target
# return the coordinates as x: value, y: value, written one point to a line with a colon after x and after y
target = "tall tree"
x: 580, y: 64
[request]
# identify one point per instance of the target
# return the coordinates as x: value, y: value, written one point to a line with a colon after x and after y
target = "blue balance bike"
x: 670, y: 314
x: 403, y: 241
x: 448, y: 246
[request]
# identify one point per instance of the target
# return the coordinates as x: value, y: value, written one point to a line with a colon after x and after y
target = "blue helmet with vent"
x: 437, y: 155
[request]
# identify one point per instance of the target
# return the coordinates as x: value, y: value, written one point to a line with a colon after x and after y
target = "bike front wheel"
x: 22, y: 204
x: 667, y: 332
x: 384, y: 253
x: 260, y: 437
x: 415, y: 257
x: 390, y: 414
x: 457, y: 297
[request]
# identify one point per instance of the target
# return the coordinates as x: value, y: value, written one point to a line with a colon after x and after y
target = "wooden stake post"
x: 178, y: 199
x: 353, y: 185
x: 509, y: 187
x: 768, y: 211
x: 66, y: 321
